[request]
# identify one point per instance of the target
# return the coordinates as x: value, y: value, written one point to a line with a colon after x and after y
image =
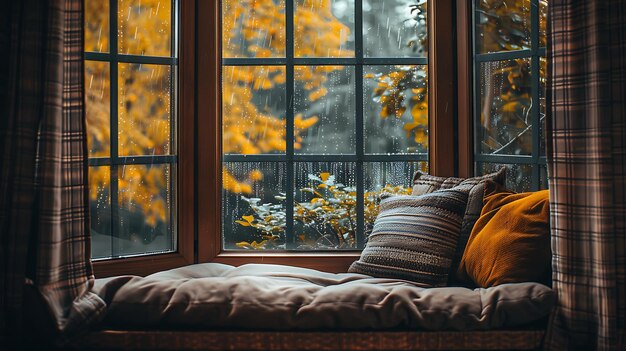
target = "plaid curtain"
x: 586, y: 156
x: 44, y: 223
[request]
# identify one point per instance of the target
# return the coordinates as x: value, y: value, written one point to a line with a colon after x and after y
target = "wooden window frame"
x: 442, y: 125
x: 199, y: 139
x: 185, y: 188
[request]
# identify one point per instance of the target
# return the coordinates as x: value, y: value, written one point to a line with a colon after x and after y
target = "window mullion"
x: 290, y: 238
x: 114, y: 152
x: 534, y: 74
x: 441, y: 89
x: 360, y: 147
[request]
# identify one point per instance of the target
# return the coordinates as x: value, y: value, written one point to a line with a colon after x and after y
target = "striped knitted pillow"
x: 414, y: 238
x: 425, y: 183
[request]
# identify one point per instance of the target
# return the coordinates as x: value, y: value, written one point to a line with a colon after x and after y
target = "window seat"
x: 273, y: 304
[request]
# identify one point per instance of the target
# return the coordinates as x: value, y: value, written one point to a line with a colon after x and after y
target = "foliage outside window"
x: 130, y: 89
x: 509, y: 76
x: 324, y: 107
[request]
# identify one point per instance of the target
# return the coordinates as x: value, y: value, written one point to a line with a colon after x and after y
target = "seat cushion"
x: 272, y: 297
x: 414, y: 238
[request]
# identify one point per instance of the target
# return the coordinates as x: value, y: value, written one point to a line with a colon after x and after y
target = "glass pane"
x: 144, y: 27
x: 542, y: 106
x: 502, y: 25
x: 144, y: 109
x: 519, y: 177
x: 324, y: 28
x: 253, y: 205
x: 100, y: 209
x: 98, y: 107
x: 543, y: 20
x: 386, y: 178
x: 505, y: 107
x: 253, y: 28
x: 325, y: 205
x: 324, y: 109
x: 394, y: 28
x: 543, y: 177
x: 145, y: 205
x: 97, y: 26
x: 253, y: 109
x: 395, y: 109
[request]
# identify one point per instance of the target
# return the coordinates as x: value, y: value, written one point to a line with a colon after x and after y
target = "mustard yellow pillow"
x: 510, y: 242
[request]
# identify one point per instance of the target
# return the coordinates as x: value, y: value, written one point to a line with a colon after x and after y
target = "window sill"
x: 327, y: 261
x: 139, y: 265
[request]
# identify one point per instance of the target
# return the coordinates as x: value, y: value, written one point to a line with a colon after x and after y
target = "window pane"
x: 100, y: 209
x: 543, y: 176
x: 395, y: 109
x: 502, y: 25
x: 518, y: 176
x: 325, y: 205
x: 543, y: 20
x: 324, y: 28
x: 145, y: 204
x: 97, y: 26
x: 394, y: 28
x: 253, y: 109
x: 144, y: 109
x: 144, y: 27
x: 98, y: 108
x: 505, y: 107
x: 386, y: 178
x: 253, y: 205
x: 324, y: 109
x: 253, y: 28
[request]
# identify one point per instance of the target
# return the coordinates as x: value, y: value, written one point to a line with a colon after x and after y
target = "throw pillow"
x: 425, y: 183
x: 414, y: 238
x: 510, y: 242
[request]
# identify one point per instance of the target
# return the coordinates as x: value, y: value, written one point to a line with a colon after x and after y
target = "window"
x: 131, y: 109
x: 509, y: 90
x: 324, y: 105
x: 267, y: 131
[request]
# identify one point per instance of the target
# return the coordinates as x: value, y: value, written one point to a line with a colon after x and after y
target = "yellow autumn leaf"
x: 316, y: 95
x: 510, y: 106
x: 324, y: 176
x: 245, y: 224
x: 243, y: 244
x: 248, y: 219
x: 256, y: 175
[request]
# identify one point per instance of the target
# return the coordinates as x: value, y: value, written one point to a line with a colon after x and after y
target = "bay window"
x: 266, y: 130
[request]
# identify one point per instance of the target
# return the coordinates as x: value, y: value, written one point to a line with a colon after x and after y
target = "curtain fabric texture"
x: 586, y: 156
x: 44, y: 223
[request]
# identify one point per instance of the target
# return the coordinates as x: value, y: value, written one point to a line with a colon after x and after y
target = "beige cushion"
x: 272, y: 297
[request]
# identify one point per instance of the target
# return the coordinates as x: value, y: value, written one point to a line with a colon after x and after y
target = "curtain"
x: 586, y: 157
x: 44, y: 223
